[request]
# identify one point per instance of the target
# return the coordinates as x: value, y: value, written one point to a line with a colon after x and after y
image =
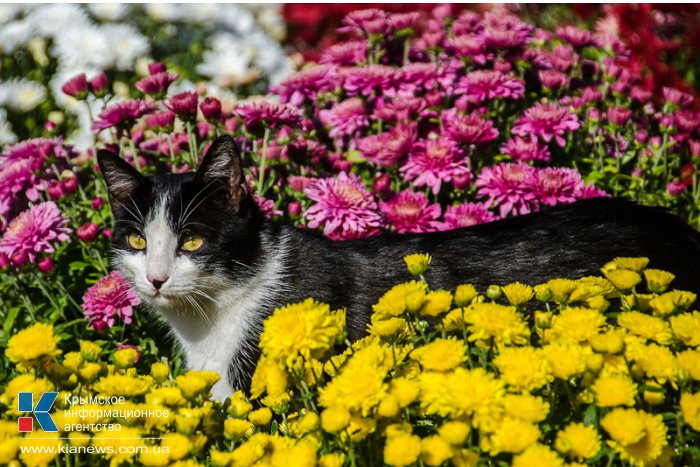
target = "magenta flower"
x: 482, y: 85
x: 677, y: 97
x: 347, y: 118
x: 369, y: 21
x: 17, y: 178
x: 299, y: 183
x: 163, y: 119
x: 388, y: 148
x: 470, y: 129
x: 343, y: 207
x: 184, y: 105
x: 466, y: 215
x: 590, y: 191
x: 156, y: 67
x: 98, y: 85
x: 401, y: 21
x: 619, y: 115
x: 108, y: 299
x: 575, y: 36
x: 267, y: 206
x: 505, y: 31
x: 348, y: 53
x: 410, y: 212
x: 400, y: 108
x: 123, y: 114
x: 365, y: 80
x: 546, y: 121
x: 306, y: 84
x: 88, y: 231
x: 433, y: 162
x: 525, y: 150
x: 37, y: 150
x: 156, y: 85
x: 211, y: 108
x: 34, y: 231
x: 414, y: 77
x: 470, y: 47
x: 258, y: 114
x: 506, y: 187
x: 553, y: 79
x: 555, y: 185
x: 76, y: 87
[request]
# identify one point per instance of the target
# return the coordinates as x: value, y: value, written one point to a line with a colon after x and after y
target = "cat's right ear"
x: 222, y: 164
x: 121, y: 178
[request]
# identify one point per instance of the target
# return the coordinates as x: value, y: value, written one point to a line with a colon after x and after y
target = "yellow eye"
x: 192, y: 242
x: 136, y: 241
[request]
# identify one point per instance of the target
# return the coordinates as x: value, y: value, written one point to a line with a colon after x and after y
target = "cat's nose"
x: 157, y: 281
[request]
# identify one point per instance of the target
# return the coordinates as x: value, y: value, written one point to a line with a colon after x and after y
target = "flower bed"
x: 605, y: 369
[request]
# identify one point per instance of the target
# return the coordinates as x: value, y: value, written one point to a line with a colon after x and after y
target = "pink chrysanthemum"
x: 399, y: 108
x: 482, y: 85
x: 347, y: 53
x: 38, y: 150
x: 466, y: 215
x: 110, y: 298
x: 266, y: 113
x: 157, y: 84
x: 546, y: 121
x: 346, y: 118
x: 16, y: 178
x: 184, y: 104
x: 369, y: 21
x: 433, y: 162
x: 123, y: 114
x: 505, y: 31
x: 470, y: 129
x: 471, y: 47
x: 555, y: 185
x: 344, y: 208
x: 411, y: 212
x: 388, y: 148
x: 305, y: 84
x: 362, y: 81
x: 575, y: 36
x: 414, y: 77
x: 525, y: 150
x: 34, y: 231
x: 677, y: 97
x: 590, y: 191
x: 267, y: 206
x: 505, y: 185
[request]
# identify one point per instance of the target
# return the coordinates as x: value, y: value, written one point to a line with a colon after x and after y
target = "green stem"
x: 262, y: 163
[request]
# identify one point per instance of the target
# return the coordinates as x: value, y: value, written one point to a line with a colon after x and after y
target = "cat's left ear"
x: 222, y: 164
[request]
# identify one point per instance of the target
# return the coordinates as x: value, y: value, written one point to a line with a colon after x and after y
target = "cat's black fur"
x: 570, y: 241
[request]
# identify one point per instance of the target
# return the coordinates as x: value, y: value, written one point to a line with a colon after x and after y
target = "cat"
x: 200, y: 253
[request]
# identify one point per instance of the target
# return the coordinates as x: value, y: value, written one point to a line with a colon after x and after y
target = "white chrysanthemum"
x: 22, y: 95
x: 271, y: 21
x: 127, y: 44
x: 8, y: 12
x: 53, y: 20
x: 108, y: 11
x: 164, y: 12
x: 228, y: 60
x: 14, y: 35
x: 6, y: 134
x: 84, y: 47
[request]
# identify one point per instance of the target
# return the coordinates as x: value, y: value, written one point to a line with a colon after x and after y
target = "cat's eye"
x: 136, y: 241
x: 192, y: 242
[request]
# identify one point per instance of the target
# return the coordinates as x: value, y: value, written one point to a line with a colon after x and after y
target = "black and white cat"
x: 199, y: 252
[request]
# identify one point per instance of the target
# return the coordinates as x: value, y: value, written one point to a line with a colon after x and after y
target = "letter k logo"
x: 25, y: 403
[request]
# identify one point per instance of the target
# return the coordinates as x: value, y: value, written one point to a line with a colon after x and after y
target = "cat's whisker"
x: 185, y: 215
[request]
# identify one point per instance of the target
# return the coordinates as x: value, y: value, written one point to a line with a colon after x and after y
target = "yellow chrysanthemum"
x: 461, y: 393
x: 417, y: 263
x: 195, y: 383
x: 169, y: 396
x: 126, y: 358
x: 623, y: 279
x: 35, y: 343
x: 260, y: 417
x: 39, y: 448
x: 123, y: 385
x: 464, y: 294
x: 356, y: 388
x: 578, y: 441
x: 658, y: 280
x: 648, y: 327
x: 658, y: 362
x: 388, y: 407
x: 633, y: 264
x: 523, y: 368
x: 441, y: 354
x: 591, y: 287
x: 689, y: 361
x: 690, y: 408
x: 517, y: 293
x: 307, y: 329
x: 566, y: 359
x: 561, y: 289
x: 435, y: 450
x: 269, y: 377
x: 611, y: 342
x: 402, y: 449
x: 676, y: 301
x: 454, y: 432
x: 25, y: 383
x: 387, y: 327
x: 638, y: 437
x: 614, y: 390
x: 236, y: 428
x: 333, y: 459
x: 575, y: 324
x: 239, y: 405
x: 436, y: 303
x: 525, y: 407
x: 511, y: 435
x: 404, y: 390
x: 90, y: 351
x: 503, y: 324
x: 539, y: 455
x: 160, y: 372
x: 686, y: 327
x: 334, y: 419
x: 393, y: 302
x: 124, y: 442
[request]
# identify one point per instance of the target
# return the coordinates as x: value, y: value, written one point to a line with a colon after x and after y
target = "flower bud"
x: 97, y: 203
x: 294, y: 208
x: 414, y: 301
x: 542, y: 293
x: 160, y: 372
x: 45, y: 265
x: 464, y: 294
x: 55, y: 190
x: 70, y: 184
x: 76, y: 87
x: 543, y: 319
x: 494, y: 292
x: 87, y: 232
x: 98, y: 85
x: 211, y: 108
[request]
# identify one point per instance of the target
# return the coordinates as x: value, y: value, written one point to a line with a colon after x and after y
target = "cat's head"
x: 178, y: 238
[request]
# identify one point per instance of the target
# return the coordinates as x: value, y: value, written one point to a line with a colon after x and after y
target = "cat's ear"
x: 222, y: 164
x: 122, y: 179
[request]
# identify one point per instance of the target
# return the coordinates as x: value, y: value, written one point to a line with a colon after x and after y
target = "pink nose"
x: 157, y: 281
